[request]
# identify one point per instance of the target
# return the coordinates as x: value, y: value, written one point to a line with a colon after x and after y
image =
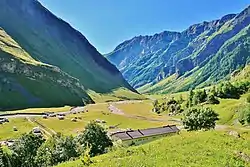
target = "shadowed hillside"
x: 46, y: 44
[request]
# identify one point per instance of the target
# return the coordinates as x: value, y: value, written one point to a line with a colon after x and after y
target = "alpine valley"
x: 202, y: 55
x: 45, y: 62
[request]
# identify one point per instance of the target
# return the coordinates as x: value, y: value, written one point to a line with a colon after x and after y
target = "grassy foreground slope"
x: 196, y: 149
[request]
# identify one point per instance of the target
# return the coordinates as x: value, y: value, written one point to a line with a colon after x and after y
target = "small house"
x: 3, y: 120
x: 74, y: 119
x: 36, y: 131
x: 140, y: 136
x: 60, y: 117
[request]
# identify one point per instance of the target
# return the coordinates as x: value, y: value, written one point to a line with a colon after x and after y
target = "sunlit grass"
x: 115, y: 95
x: 22, y: 125
x: 200, y: 149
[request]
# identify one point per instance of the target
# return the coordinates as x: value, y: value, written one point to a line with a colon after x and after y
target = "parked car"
x: 61, y: 117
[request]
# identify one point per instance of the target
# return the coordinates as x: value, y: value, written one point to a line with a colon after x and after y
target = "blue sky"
x: 107, y: 23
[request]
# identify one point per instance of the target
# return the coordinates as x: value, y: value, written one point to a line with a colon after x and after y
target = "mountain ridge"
x: 149, y: 59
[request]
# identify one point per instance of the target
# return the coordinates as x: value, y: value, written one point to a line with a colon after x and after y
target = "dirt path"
x: 42, y: 127
x: 114, y: 110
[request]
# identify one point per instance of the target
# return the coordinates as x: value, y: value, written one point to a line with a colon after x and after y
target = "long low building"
x: 140, y: 136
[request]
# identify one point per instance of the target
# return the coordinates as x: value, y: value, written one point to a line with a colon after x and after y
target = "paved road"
x: 19, y: 115
x: 74, y: 110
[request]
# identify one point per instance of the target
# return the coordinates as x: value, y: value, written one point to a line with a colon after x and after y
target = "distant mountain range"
x: 45, y: 62
x: 203, y: 54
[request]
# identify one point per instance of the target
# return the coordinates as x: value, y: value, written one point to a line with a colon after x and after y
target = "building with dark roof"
x: 136, y: 137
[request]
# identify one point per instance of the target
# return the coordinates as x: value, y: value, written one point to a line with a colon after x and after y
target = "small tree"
x: 200, y: 118
x: 155, y: 103
x: 173, y: 107
x: 57, y: 149
x: 200, y: 96
x: 4, y: 158
x: 180, y: 100
x: 213, y: 91
x: 248, y: 99
x: 156, y: 107
x: 95, y: 137
x: 212, y: 100
x: 85, y: 157
x: 190, y: 98
x: 242, y: 121
x: 248, y: 117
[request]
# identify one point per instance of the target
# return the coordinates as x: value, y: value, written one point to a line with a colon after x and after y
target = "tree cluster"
x: 172, y: 106
x: 33, y: 151
x: 229, y: 90
x: 201, y: 96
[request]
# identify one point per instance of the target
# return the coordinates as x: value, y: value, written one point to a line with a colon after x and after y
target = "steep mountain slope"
x: 202, y: 54
x: 53, y: 62
x: 51, y: 40
x: 241, y: 75
x: 25, y: 82
x: 234, y: 54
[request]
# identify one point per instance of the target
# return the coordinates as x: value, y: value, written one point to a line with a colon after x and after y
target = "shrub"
x: 95, y: 137
x: 248, y: 99
x: 200, y: 118
x: 85, y: 157
x: 190, y: 98
x: 248, y: 117
x: 212, y: 100
x: 228, y: 90
x: 24, y: 150
x: 180, y: 100
x: 57, y: 149
x: 4, y: 158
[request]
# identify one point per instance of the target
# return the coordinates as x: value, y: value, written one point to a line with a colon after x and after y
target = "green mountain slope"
x: 175, y: 61
x: 234, y: 53
x: 51, y: 40
x: 45, y: 41
x: 25, y: 82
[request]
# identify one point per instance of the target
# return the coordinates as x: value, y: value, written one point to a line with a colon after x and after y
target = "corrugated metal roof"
x: 157, y: 131
x: 121, y: 135
x: 134, y: 134
x: 175, y: 128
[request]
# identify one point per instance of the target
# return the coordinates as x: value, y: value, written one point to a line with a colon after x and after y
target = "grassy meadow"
x: 137, y: 114
x: 196, y: 149
x: 97, y: 111
x: 100, y: 112
x: 38, y: 110
x: 22, y: 125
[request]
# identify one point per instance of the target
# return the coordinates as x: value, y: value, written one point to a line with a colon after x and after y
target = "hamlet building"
x: 140, y: 136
